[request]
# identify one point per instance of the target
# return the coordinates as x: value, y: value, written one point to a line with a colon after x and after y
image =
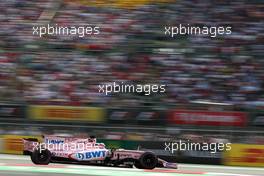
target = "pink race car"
x: 87, y: 151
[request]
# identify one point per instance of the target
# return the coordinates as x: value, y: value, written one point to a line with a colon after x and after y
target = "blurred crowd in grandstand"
x: 132, y: 48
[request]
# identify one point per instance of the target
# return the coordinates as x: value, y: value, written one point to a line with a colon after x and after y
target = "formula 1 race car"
x: 57, y: 149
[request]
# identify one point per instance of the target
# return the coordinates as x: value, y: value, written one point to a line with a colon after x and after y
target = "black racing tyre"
x: 33, y: 159
x: 41, y: 157
x: 147, y: 160
x: 137, y: 165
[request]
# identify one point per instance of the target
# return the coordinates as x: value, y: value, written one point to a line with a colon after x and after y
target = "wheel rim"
x: 149, y: 160
x: 42, y: 156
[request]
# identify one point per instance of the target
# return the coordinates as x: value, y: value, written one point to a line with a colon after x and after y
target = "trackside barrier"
x: 12, y: 111
x: 245, y: 155
x: 13, y: 144
x: 126, y: 4
x: 66, y: 113
x: 1, y: 144
x: 239, y: 155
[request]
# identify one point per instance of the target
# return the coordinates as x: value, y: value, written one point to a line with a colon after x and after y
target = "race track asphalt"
x: 16, y: 165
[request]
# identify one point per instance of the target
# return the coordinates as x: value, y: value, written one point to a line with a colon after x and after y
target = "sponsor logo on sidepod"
x: 54, y: 141
x: 89, y: 155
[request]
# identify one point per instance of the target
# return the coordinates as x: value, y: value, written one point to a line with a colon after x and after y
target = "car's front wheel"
x: 41, y: 157
x: 147, y: 160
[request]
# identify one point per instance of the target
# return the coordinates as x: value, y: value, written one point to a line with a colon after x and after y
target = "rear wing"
x: 29, y: 145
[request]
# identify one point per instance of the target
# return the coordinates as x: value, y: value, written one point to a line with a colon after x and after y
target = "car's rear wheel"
x: 147, y: 160
x: 41, y: 157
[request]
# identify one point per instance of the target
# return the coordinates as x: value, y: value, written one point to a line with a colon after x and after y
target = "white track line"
x: 230, y: 174
x: 73, y: 166
x: 181, y: 166
x: 221, y: 167
x: 13, y: 157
